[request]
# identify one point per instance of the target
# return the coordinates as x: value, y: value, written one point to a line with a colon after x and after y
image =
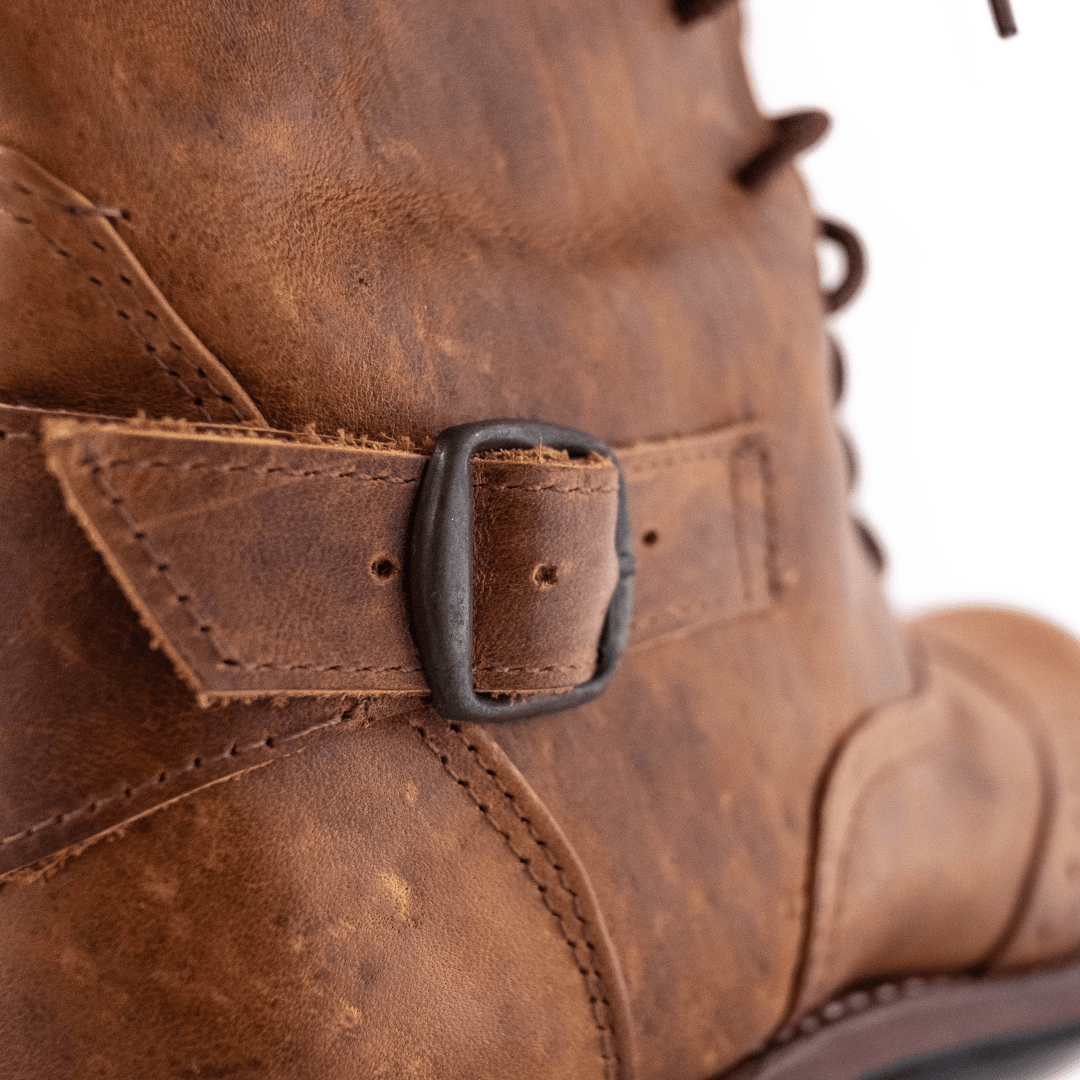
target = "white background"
x: 954, y: 154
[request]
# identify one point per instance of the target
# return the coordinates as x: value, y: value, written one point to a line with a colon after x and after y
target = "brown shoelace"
x: 791, y: 135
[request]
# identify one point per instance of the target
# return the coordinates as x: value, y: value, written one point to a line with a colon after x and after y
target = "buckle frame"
x: 441, y: 572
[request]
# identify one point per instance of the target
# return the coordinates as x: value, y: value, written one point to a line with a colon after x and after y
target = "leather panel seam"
x: 584, y: 960
x: 269, y: 742
x: 201, y: 628
x: 811, y: 898
x: 1013, y: 699
x: 151, y: 349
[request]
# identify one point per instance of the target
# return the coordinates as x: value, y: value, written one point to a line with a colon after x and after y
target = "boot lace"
x: 791, y: 135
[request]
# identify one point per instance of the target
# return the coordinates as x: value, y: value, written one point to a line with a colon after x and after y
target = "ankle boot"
x: 351, y: 729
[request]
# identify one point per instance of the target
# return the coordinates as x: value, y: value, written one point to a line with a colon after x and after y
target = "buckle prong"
x: 442, y: 569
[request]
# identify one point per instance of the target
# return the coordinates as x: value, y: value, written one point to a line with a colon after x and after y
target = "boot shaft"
x: 390, y: 221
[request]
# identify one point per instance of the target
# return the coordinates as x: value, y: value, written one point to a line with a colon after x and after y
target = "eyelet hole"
x: 383, y: 568
x: 546, y: 575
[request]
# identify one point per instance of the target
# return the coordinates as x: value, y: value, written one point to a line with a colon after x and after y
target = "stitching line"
x: 546, y: 487
x: 746, y: 601
x: 160, y: 564
x: 205, y: 630
x: 262, y: 470
x: 596, y: 997
x: 259, y: 470
x: 690, y: 608
x: 150, y: 348
x: 270, y: 742
x: 274, y: 666
x: 859, y: 1001
x: 533, y: 670
x: 636, y: 470
x: 772, y: 522
x: 190, y: 604
x: 735, y: 481
x: 753, y: 452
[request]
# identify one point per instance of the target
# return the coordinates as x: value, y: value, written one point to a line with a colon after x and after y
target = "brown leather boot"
x: 260, y: 817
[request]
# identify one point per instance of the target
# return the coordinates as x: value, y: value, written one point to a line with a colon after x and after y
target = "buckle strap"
x: 110, y: 734
x: 269, y: 564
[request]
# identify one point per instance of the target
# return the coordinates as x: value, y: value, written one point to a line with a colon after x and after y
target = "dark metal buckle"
x: 442, y: 568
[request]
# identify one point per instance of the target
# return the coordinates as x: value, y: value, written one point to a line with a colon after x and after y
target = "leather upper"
x: 389, y: 219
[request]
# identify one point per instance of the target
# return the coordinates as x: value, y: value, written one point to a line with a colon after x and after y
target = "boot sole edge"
x: 916, y: 1017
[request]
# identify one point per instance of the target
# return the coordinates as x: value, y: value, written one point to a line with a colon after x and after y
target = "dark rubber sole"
x: 874, y: 1029
x: 1043, y: 1056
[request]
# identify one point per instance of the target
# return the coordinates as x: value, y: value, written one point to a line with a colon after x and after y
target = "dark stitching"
x: 184, y: 597
x: 130, y: 284
x: 259, y: 470
x: 547, y: 487
x: 340, y: 667
x: 608, y: 1053
x: 532, y: 670
x: 272, y: 666
x: 123, y: 314
x: 160, y: 565
x: 269, y: 742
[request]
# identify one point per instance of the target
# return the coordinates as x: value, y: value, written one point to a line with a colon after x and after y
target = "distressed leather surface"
x: 280, y: 572
x: 387, y: 219
x: 347, y: 912
x: 930, y: 820
x: 1035, y: 668
x: 271, y: 565
x: 112, y: 339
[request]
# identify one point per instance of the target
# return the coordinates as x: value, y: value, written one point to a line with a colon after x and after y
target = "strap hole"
x: 546, y: 575
x: 384, y: 568
x: 650, y: 538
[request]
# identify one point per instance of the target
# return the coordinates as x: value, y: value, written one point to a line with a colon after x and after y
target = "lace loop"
x: 837, y: 371
x: 792, y: 134
x: 855, y: 259
x: 1003, y: 17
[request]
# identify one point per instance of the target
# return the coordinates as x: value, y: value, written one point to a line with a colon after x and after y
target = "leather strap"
x: 266, y: 563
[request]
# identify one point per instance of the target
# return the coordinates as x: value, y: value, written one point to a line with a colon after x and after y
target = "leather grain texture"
x: 946, y: 787
x: 410, y: 939
x: 278, y: 564
x: 276, y: 542
x: 385, y: 219
x: 330, y: 213
x: 83, y: 325
x: 1035, y: 667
